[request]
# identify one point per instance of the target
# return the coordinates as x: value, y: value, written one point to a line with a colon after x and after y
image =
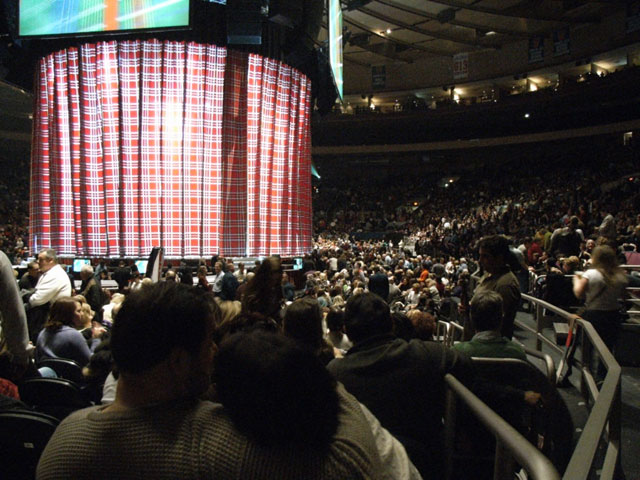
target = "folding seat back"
x: 23, y: 436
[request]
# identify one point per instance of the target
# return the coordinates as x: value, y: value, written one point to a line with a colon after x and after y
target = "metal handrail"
x: 453, y: 326
x: 510, y: 444
x: 549, y: 364
x: 540, y: 306
x: 605, y: 411
x: 442, y: 331
x: 604, y: 416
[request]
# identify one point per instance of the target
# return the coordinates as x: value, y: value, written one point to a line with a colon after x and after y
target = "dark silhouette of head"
x: 276, y: 392
x: 366, y: 315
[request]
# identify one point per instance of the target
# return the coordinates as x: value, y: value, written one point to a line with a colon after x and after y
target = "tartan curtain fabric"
x: 187, y: 146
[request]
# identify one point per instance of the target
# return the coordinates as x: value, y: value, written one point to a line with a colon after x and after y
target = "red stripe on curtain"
x: 130, y: 62
x: 75, y: 132
x: 214, y: 91
x: 150, y: 149
x: 186, y: 146
x: 173, y: 76
x: 108, y: 94
x: 193, y: 149
x: 233, y: 201
x: 92, y: 168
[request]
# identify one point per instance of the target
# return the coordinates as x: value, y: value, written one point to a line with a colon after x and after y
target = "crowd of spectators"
x: 14, y: 208
x: 507, y: 198
x: 382, y: 270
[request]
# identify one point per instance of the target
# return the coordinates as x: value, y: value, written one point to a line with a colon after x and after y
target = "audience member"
x: 303, y: 322
x: 14, y: 338
x: 29, y: 280
x: 59, y: 337
x: 53, y: 284
x: 401, y: 382
x: 156, y: 427
x: 263, y: 293
x: 91, y: 290
x: 493, y: 257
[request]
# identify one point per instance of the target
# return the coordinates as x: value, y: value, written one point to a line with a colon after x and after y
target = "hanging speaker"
x: 244, y: 22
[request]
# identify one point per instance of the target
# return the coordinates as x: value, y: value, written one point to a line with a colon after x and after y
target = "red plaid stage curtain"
x: 182, y: 145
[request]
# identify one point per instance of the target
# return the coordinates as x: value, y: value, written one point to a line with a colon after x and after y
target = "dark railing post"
x: 539, y: 314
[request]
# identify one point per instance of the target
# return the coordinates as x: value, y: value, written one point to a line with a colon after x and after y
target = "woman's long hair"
x: 604, y: 260
x: 263, y: 293
x: 62, y: 313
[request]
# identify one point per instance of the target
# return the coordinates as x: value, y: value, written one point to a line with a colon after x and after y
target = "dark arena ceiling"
x: 404, y: 53
x: 421, y: 45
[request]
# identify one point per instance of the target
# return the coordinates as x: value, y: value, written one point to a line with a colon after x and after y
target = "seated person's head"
x: 64, y: 311
x: 424, y: 324
x: 303, y: 323
x: 163, y: 323
x: 366, y: 315
x: 379, y: 284
x: 245, y: 322
x: 486, y: 311
x: 335, y: 320
x: 570, y: 265
x: 402, y: 326
x: 274, y: 391
x: 493, y: 252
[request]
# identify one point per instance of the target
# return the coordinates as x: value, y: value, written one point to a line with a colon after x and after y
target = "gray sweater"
x: 192, y: 439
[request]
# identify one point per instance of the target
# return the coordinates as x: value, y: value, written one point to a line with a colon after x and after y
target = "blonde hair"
x: 604, y: 260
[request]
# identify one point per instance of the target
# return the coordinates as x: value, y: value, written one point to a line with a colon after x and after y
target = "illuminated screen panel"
x: 63, y: 17
x: 335, y: 43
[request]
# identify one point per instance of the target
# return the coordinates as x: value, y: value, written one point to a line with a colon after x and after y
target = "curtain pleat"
x: 186, y: 146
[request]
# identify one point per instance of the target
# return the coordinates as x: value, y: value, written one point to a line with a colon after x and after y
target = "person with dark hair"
x: 336, y: 335
x: 29, y: 280
x: 229, y: 284
x: 59, y: 338
x: 91, y: 290
x: 263, y: 293
x: 276, y: 391
x: 494, y: 255
x: 122, y: 275
x: 303, y: 322
x: 401, y: 382
x: 162, y: 344
x: 288, y: 289
x: 185, y: 273
x: 486, y: 319
x: 379, y: 283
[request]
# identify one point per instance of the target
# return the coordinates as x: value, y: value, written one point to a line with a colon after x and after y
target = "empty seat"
x: 23, y: 436
x: 64, y: 368
x: 54, y: 396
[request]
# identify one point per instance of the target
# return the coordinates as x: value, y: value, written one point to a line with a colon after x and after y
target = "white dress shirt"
x: 53, y: 284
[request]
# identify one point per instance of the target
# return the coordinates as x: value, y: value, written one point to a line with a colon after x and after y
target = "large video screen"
x: 335, y: 43
x: 64, y: 17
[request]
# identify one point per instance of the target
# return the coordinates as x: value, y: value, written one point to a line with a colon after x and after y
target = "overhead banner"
x: 536, y: 49
x: 460, y: 66
x: 561, y: 42
x: 378, y: 77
